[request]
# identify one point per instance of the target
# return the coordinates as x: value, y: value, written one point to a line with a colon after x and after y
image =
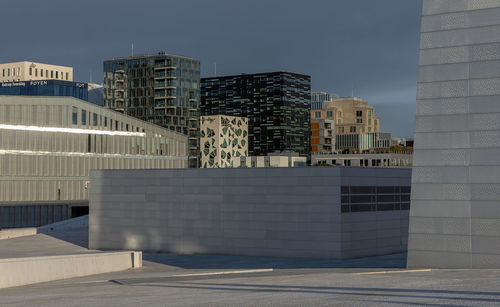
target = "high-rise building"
x: 162, y: 89
x: 277, y: 106
x: 224, y: 139
x: 318, y: 98
x: 26, y: 71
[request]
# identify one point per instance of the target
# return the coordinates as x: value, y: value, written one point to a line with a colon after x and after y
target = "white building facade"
x: 48, y: 145
x: 224, y: 139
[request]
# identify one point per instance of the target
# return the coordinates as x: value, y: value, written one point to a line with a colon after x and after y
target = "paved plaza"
x: 206, y: 280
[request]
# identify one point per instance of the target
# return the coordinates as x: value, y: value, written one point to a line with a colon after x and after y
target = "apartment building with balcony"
x: 162, y: 89
x: 356, y: 126
x: 322, y: 136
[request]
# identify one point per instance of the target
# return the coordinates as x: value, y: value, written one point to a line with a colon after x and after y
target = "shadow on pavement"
x: 244, y: 262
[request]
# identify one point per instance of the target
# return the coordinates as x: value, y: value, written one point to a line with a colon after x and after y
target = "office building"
x: 27, y: 71
x: 48, y: 145
x: 455, y: 213
x: 318, y: 98
x: 224, y: 139
x: 45, y: 88
x: 161, y: 89
x: 277, y: 106
x: 322, y: 136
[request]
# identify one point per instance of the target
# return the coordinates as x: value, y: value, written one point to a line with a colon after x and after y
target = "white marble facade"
x: 455, y: 208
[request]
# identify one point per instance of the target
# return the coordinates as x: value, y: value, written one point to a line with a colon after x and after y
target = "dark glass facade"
x: 276, y: 104
x: 46, y: 88
x: 162, y: 89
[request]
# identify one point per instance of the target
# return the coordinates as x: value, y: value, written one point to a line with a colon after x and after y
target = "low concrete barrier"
x: 24, y: 271
x: 17, y: 232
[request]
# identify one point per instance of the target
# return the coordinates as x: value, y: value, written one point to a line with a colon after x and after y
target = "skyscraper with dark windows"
x: 277, y: 105
x: 162, y: 89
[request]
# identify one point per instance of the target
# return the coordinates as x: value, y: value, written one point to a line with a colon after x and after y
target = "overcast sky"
x: 368, y: 45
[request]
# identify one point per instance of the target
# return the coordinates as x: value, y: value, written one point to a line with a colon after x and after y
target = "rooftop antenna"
x: 353, y: 91
x: 132, y: 51
x: 215, y: 69
x: 90, y: 81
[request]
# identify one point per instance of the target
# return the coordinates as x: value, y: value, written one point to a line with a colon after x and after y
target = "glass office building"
x: 277, y: 106
x: 45, y: 88
x: 162, y: 89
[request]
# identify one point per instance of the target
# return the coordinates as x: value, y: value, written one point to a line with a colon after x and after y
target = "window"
x: 375, y: 122
x: 94, y: 119
x: 369, y: 113
x: 46, y: 73
x: 74, y: 115
x: 84, y: 117
x: 352, y: 129
x: 369, y: 121
x: 31, y: 71
x: 369, y: 129
x: 359, y: 113
x: 339, y: 114
x: 41, y: 72
x: 329, y: 113
x: 52, y: 74
x: 36, y: 72
x: 8, y: 72
x: 66, y: 76
x: 317, y: 114
x: 359, y: 121
x: 57, y: 75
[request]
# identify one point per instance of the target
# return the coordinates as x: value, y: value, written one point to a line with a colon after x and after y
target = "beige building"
x: 48, y: 145
x: 224, y: 139
x: 351, y: 115
x: 26, y: 71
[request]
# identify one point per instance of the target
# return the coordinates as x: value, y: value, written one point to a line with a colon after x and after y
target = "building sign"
x: 11, y: 84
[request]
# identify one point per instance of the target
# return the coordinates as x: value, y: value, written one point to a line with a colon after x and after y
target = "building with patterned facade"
x: 161, y: 89
x: 223, y: 139
x: 277, y: 105
x: 48, y: 145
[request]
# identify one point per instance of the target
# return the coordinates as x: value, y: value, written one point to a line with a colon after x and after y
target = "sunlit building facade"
x: 48, y: 145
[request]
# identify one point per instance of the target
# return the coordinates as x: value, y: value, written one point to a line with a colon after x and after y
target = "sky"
x: 363, y: 46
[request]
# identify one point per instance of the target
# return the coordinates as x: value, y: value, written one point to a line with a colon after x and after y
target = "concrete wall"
x: 25, y: 271
x: 455, y: 215
x: 282, y: 212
